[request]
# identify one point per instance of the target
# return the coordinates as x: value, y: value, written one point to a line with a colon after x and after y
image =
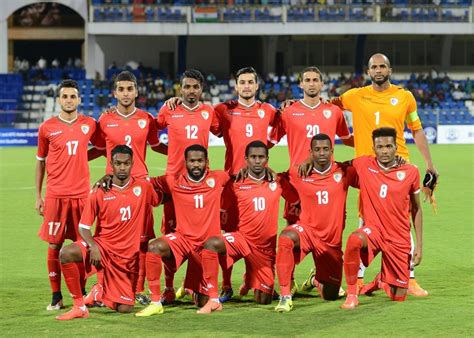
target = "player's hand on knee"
x: 286, y: 104
x: 94, y: 254
x: 305, y: 168
x: 40, y: 206
x: 399, y: 161
x: 173, y: 102
x: 417, y: 255
x: 104, y: 183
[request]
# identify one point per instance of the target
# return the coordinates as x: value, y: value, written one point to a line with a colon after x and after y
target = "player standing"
x: 319, y: 230
x: 388, y: 195
x: 196, y: 194
x: 188, y: 124
x: 383, y: 104
x: 62, y: 153
x: 126, y: 124
x: 121, y: 214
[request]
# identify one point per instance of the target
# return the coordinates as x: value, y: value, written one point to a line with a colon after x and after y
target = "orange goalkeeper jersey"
x: 372, y: 109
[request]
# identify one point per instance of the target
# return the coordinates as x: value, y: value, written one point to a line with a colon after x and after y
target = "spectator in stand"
x: 55, y: 63
x: 42, y: 63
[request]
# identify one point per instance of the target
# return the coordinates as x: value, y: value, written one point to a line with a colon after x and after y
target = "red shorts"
x: 292, y: 210
x: 259, y: 265
x: 184, y: 249
x: 395, y: 257
x: 61, y: 219
x: 327, y: 258
x: 119, y: 274
x: 168, y: 222
x: 149, y: 224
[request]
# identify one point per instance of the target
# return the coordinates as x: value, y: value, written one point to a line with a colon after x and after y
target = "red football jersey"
x: 121, y: 214
x: 197, y: 204
x: 323, y: 200
x: 185, y: 128
x: 239, y: 125
x: 301, y: 122
x: 135, y: 131
x: 386, y: 197
x: 64, y: 147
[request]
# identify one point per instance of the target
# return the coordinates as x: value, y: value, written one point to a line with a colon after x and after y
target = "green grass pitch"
x: 447, y: 269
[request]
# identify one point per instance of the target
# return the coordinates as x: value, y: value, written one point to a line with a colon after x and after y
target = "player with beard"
x: 196, y: 193
x: 62, y: 153
x: 383, y: 104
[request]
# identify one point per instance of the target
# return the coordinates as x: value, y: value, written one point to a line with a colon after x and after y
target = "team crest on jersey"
x: 272, y: 186
x: 137, y: 191
x: 394, y: 101
x: 85, y: 128
x: 211, y: 182
x: 327, y: 113
x: 337, y: 177
x: 142, y: 123
x: 205, y: 115
x: 401, y: 175
x: 261, y: 113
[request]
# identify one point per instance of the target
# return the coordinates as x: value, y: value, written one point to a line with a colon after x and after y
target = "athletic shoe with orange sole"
x: 415, y: 289
x: 210, y: 306
x: 351, y: 302
x: 94, y: 297
x: 75, y: 312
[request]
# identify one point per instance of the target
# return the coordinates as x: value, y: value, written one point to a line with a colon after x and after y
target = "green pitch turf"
x: 447, y: 270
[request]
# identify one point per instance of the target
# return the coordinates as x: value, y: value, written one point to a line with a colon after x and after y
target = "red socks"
x: 72, y: 277
x: 154, y: 266
x: 351, y: 262
x: 210, y: 268
x: 285, y: 263
x: 142, y: 268
x: 54, y: 269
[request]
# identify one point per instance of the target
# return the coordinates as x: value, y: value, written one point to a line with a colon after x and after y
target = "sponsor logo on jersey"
x: 272, y: 186
x: 142, y: 123
x: 401, y: 175
x: 52, y: 274
x: 308, y: 180
x: 394, y: 101
x: 185, y: 187
x: 56, y: 133
x: 297, y: 114
x: 373, y: 170
x: 245, y: 187
x: 127, y: 298
x: 109, y: 198
x: 337, y: 177
x: 177, y: 116
x: 402, y: 281
x: 205, y: 115
x: 112, y: 125
x: 85, y: 128
x: 137, y: 191
x: 261, y: 113
x: 327, y: 113
x: 211, y: 182
x: 266, y: 286
x: 235, y: 113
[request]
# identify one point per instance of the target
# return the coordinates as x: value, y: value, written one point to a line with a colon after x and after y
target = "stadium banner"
x: 18, y: 137
x: 205, y: 14
x: 456, y: 134
x: 431, y: 133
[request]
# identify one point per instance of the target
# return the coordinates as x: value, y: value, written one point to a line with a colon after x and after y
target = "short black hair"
x: 68, y: 84
x: 193, y: 74
x: 311, y: 69
x: 247, y: 70
x: 122, y: 149
x: 255, y: 144
x: 321, y: 137
x: 384, y: 132
x: 195, y: 147
x: 125, y: 76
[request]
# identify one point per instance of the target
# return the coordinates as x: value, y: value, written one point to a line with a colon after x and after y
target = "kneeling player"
x: 387, y: 192
x: 121, y: 214
x: 319, y: 231
x: 255, y: 238
x: 196, y: 195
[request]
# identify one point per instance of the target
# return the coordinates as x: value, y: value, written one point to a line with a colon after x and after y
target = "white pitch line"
x: 17, y: 188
